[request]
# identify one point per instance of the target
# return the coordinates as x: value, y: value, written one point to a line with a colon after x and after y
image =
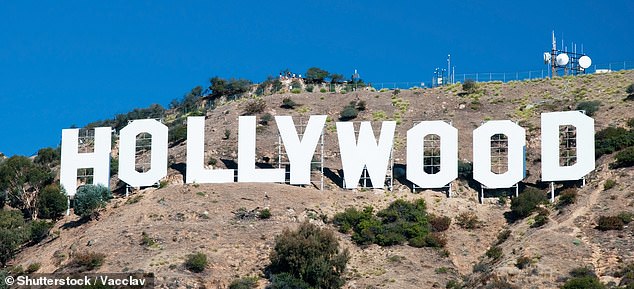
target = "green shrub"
x: 244, y: 283
x: 469, y: 86
x: 39, y: 230
x: 401, y: 221
x: 567, y: 197
x: 3, y: 199
x: 266, y: 118
x: 540, y: 220
x: 287, y: 281
x: 33, y: 267
x: 264, y: 214
x: 527, y: 202
x: 52, y: 202
x: 177, y: 134
x: 590, y: 107
x: 630, y: 123
x: 296, y: 90
x: 348, y: 112
x: 605, y: 223
x: 626, y: 217
x: 503, y: 236
x: 612, y: 139
x: 254, y: 107
x: 630, y: 90
x: 309, y: 254
x: 87, y: 261
x: 196, y: 262
x: 226, y: 134
x: 609, y: 183
x: 323, y: 90
x: 586, y: 282
x: 439, y: 224
x: 310, y: 88
x: 288, y: 103
x: 90, y: 198
x: 522, y: 262
x: 624, y: 158
x: 495, y: 253
x: 13, y: 233
x: 468, y: 220
x: 361, y: 105
x: 465, y: 170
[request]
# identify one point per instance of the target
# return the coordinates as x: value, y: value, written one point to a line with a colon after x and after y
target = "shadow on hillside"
x: 181, y: 168
x: 334, y: 177
x: 75, y: 224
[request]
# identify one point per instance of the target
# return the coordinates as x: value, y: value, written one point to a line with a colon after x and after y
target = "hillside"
x: 186, y: 218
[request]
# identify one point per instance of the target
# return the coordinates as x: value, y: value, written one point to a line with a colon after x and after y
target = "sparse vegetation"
x: 522, y: 262
x: 89, y: 199
x: 468, y: 220
x: 567, y: 197
x: 503, y: 236
x: 527, y: 202
x: 348, y: 112
x: 624, y: 158
x: 495, y: 253
x: 469, y: 86
x: 439, y: 224
x: 288, y: 103
x: 264, y: 214
x: 254, y: 107
x: 606, y: 223
x: 196, y: 262
x: 244, y: 283
x: 307, y: 257
x: 266, y: 118
x: 87, y: 261
x: 590, y: 107
x: 608, y: 184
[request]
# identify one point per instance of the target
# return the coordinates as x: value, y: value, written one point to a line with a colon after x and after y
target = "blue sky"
x: 73, y: 62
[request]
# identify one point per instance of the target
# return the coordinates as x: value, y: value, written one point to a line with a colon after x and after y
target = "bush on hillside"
x: 527, y: 202
x: 624, y: 158
x: 630, y: 91
x: 590, y: 107
x: 288, y: 103
x: 13, y: 233
x: 89, y: 199
x: 87, y: 261
x: 470, y: 86
x: 309, y: 255
x: 39, y: 230
x: 52, y: 202
x: 567, y: 197
x: 196, y: 262
x: 611, y: 139
x: 266, y: 118
x: 468, y: 220
x: 439, y: 224
x: 348, y: 112
x: 605, y: 223
x: 254, y: 107
x: 244, y: 283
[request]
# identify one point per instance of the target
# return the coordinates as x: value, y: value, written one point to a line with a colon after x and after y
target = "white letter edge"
x: 127, y: 152
x: 482, y: 154
x: 448, y: 154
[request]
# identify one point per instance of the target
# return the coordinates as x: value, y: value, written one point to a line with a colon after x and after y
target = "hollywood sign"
x: 357, y: 152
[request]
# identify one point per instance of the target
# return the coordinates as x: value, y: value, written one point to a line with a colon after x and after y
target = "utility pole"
x: 449, y: 68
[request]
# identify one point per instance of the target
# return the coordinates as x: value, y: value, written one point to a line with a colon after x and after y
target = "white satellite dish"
x: 547, y: 57
x: 585, y: 61
x: 562, y: 59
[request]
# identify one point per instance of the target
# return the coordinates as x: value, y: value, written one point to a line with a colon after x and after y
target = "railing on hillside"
x: 503, y: 76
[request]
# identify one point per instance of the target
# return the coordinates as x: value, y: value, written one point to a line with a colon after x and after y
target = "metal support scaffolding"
x: 317, y: 162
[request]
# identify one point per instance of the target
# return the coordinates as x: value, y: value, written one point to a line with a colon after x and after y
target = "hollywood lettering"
x: 357, y: 152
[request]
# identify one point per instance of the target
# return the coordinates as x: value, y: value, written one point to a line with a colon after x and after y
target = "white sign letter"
x: 551, y: 170
x: 246, y: 156
x: 127, y: 152
x: 448, y: 154
x: 355, y: 155
x: 196, y: 172
x: 300, y: 152
x: 98, y: 160
x: 482, y: 154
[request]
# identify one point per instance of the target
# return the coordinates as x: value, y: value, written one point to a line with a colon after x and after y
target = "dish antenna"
x: 585, y: 61
x: 562, y: 59
x: 547, y: 57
